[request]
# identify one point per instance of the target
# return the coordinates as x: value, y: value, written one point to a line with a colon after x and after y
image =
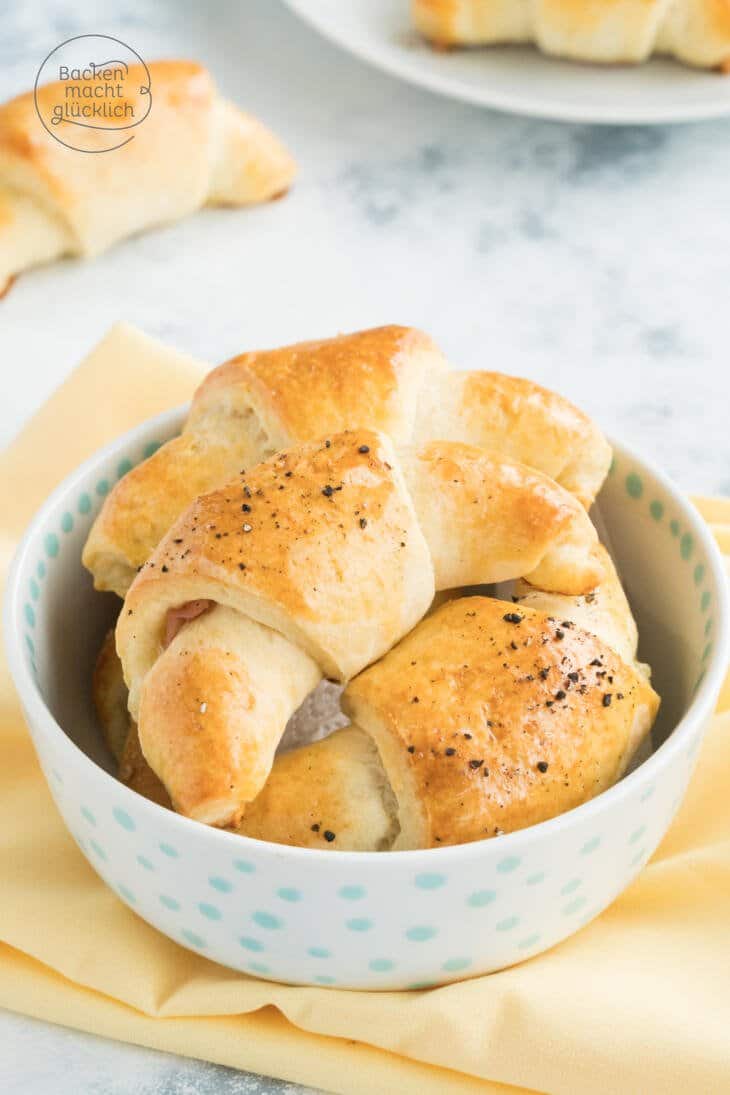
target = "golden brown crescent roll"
x: 490, y: 717
x: 315, y: 564
x: 696, y: 32
x: 392, y: 379
x: 193, y: 149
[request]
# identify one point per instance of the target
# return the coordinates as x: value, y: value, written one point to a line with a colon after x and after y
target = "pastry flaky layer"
x: 696, y: 32
x: 194, y: 148
x: 314, y: 564
x: 487, y: 718
x: 392, y: 379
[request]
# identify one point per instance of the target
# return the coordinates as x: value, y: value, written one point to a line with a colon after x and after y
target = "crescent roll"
x: 696, y: 32
x: 313, y: 565
x: 490, y: 717
x: 193, y: 149
x: 392, y: 379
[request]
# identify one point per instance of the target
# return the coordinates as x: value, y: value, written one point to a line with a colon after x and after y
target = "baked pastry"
x: 314, y: 565
x: 193, y: 149
x: 332, y: 794
x: 696, y: 32
x: 490, y: 717
x: 392, y: 379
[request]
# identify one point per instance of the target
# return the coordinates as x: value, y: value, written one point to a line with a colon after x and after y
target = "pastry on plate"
x: 696, y: 32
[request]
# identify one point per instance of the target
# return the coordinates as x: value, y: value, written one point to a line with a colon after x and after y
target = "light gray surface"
x: 38, y: 1058
x: 593, y: 260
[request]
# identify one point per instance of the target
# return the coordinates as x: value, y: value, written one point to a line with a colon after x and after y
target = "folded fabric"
x: 637, y: 1001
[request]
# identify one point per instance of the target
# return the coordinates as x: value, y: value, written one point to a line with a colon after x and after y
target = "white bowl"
x: 365, y: 920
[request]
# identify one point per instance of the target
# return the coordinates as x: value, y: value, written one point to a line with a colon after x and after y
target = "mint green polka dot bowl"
x: 382, y: 920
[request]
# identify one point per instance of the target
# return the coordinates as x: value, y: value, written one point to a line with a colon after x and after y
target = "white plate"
x: 519, y: 80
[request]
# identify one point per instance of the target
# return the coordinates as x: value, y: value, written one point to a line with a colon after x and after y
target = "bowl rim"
x: 699, y: 710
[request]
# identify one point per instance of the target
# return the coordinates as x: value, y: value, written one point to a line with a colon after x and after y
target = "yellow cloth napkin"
x: 638, y: 1001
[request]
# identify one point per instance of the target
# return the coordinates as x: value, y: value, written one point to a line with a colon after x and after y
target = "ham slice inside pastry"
x: 178, y: 617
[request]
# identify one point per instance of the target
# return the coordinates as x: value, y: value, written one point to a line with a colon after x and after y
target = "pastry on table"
x: 393, y: 379
x: 696, y: 32
x: 314, y: 565
x: 195, y: 148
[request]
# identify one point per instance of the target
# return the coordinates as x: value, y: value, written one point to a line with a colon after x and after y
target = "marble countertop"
x: 592, y: 259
